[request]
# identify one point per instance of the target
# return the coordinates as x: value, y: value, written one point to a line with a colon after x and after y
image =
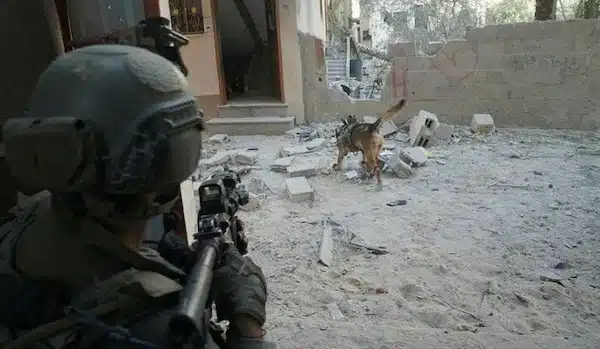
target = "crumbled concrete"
x: 281, y: 164
x: 298, y: 189
x: 414, y: 156
x: 399, y: 167
x: 482, y: 123
x: 315, y: 143
x: 422, y: 128
x: 302, y: 170
x: 351, y: 175
x: 293, y: 150
x: 219, y: 138
x: 219, y: 158
x: 246, y: 157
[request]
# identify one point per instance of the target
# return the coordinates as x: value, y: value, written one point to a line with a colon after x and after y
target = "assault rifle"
x: 153, y: 34
x: 218, y: 228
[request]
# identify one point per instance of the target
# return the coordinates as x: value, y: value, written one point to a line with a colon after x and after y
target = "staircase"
x: 336, y: 69
x: 251, y: 118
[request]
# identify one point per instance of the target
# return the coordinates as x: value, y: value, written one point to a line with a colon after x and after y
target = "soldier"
x: 110, y: 133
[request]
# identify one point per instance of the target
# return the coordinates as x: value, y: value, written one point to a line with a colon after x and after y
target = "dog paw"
x: 336, y: 167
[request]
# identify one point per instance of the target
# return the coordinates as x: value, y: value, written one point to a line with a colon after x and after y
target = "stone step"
x: 252, y: 109
x: 259, y: 125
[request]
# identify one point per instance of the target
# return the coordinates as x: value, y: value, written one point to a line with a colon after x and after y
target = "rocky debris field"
x: 484, y: 239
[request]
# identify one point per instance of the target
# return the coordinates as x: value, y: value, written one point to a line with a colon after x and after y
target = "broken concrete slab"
x: 399, y: 167
x: 414, y: 156
x: 422, y: 128
x: 281, y: 164
x: 315, y: 143
x: 302, y: 170
x: 219, y: 158
x: 482, y: 123
x: 326, y: 250
x: 247, y: 157
x: 298, y: 189
x: 219, y: 138
x: 293, y: 150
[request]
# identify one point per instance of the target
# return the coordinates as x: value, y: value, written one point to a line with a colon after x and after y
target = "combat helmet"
x: 108, y: 121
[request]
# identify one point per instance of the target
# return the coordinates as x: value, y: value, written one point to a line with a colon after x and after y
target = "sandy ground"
x: 485, y: 220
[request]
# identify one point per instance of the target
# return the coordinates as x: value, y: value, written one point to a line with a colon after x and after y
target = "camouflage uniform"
x: 107, y: 125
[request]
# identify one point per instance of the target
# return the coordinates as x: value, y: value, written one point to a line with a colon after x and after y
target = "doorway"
x: 249, y: 45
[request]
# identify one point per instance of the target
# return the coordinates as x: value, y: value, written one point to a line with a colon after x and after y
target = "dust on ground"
x: 496, y: 246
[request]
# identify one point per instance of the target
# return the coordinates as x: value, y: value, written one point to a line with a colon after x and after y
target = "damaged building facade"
x: 245, y: 58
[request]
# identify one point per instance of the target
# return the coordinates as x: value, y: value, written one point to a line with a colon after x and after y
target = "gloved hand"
x: 240, y: 287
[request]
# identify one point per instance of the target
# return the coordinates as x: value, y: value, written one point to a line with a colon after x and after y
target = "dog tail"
x: 393, y: 110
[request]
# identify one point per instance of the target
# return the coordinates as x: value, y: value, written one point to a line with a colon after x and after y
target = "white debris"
x: 303, y: 170
x: 246, y: 157
x: 281, y: 164
x: 315, y: 143
x: 414, y: 156
x: 293, y: 150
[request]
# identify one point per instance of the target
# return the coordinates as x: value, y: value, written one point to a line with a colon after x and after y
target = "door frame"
x: 219, y: 55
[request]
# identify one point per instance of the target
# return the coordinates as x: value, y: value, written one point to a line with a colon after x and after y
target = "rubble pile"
x: 311, y: 151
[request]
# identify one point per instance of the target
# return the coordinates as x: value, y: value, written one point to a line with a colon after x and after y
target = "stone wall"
x: 540, y: 75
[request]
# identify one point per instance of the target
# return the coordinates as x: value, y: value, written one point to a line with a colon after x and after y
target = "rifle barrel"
x: 188, y: 324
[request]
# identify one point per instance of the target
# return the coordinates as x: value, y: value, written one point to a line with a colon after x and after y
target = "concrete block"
x: 482, y: 123
x: 388, y: 127
x: 298, y: 189
x: 293, y: 150
x: 246, y: 157
x: 414, y: 156
x: 422, y: 128
x: 315, y: 143
x: 281, y: 164
x: 302, y: 171
x: 399, y: 167
x: 218, y: 138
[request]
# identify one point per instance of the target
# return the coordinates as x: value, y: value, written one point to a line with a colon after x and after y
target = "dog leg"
x: 373, y: 165
x: 342, y: 152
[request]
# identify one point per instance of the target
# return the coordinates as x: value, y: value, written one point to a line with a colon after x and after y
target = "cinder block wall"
x: 540, y: 75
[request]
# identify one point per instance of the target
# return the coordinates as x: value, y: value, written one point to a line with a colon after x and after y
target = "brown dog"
x: 353, y: 136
